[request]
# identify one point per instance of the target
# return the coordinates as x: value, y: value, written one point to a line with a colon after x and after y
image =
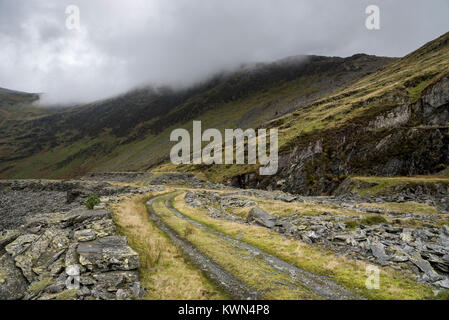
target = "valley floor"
x: 309, y: 248
x: 198, y: 240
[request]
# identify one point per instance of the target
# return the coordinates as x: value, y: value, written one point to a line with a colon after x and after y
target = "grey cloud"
x: 127, y: 43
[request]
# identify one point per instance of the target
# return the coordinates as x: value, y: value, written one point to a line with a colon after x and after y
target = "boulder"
x: 261, y: 217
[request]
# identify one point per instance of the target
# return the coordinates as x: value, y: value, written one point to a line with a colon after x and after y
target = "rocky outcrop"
x: 394, y: 118
x: 64, y: 251
x: 432, y: 193
x: 406, y: 139
x: 77, y: 255
x: 424, y: 250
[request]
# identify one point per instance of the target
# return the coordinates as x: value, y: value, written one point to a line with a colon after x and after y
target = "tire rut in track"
x: 321, y: 286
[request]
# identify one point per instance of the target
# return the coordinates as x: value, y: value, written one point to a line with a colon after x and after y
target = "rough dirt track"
x: 319, y: 286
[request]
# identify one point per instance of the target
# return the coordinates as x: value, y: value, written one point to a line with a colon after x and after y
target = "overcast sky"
x: 127, y: 43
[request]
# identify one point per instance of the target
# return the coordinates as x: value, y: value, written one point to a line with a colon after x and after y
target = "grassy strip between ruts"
x: 349, y: 273
x: 270, y: 282
x: 164, y: 271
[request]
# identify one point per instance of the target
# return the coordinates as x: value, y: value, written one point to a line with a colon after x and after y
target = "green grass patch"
x: 92, y: 201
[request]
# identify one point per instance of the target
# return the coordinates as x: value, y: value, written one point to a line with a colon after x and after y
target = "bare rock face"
x: 394, y: 118
x: 435, y: 103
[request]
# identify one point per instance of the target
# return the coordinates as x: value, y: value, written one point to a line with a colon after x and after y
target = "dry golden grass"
x: 164, y: 271
x: 280, y: 208
x: 406, y: 207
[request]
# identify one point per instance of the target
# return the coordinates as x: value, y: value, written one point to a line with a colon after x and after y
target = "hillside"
x: 357, y: 210
x: 337, y: 117
x: 392, y: 122
x: 130, y: 132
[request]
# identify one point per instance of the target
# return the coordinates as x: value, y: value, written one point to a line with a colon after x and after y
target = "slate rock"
x: 109, y: 253
x: 12, y: 282
x: 378, y: 250
x: 443, y: 283
x: 261, y: 217
x: 34, y: 258
x: 84, y: 235
x: 114, y: 280
x: 425, y: 267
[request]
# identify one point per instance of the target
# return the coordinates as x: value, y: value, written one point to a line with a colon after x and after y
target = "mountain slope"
x: 392, y: 122
x: 337, y: 117
x: 130, y: 132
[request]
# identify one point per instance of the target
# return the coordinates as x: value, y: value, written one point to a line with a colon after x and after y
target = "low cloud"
x: 127, y: 43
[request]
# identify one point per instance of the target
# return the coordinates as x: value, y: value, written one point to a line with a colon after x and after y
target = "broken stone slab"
x: 122, y: 294
x: 440, y: 263
x: 84, y: 235
x: 286, y: 197
x: 425, y: 267
x: 40, y: 254
x: 399, y: 258
x: 444, y: 240
x: 443, y: 283
x: 312, y: 236
x: 102, y: 228
x: 60, y: 220
x: 7, y: 237
x: 81, y: 215
x: 261, y: 217
x: 287, y: 226
x: 72, y: 195
x: 114, y: 280
x: 109, y: 253
x: 71, y: 256
x: 342, y: 237
x: 20, y: 244
x: 341, y: 226
x: 378, y: 250
x: 12, y: 282
x: 437, y: 249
